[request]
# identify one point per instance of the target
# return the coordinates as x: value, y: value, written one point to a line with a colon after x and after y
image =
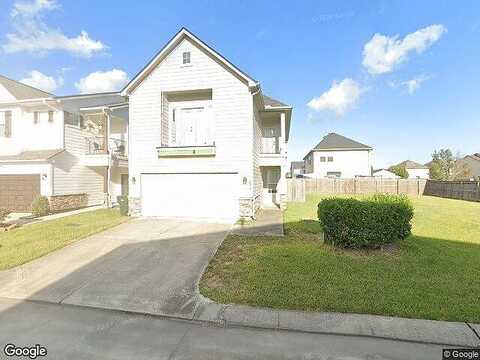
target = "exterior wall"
x: 44, y: 170
x: 70, y: 177
x: 350, y: 163
x: 26, y: 135
x: 116, y: 181
x: 67, y: 202
x: 309, y: 163
x: 257, y: 173
x: 418, y: 173
x: 473, y: 166
x: 232, y: 108
x: 385, y: 174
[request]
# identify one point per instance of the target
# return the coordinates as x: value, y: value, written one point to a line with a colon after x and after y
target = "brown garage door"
x: 18, y: 191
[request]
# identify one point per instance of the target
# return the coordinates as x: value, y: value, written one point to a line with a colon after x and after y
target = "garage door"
x: 190, y: 195
x: 18, y: 191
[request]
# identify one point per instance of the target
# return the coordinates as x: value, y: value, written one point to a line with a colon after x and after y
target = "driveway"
x: 146, y: 265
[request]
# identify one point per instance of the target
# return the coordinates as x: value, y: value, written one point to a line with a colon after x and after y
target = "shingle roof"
x: 335, y: 141
x: 21, y: 91
x: 34, y: 155
x: 409, y: 164
x: 270, y: 102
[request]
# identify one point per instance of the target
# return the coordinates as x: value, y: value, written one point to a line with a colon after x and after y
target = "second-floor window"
x: 192, y: 127
x: 186, y: 57
x: 5, y: 123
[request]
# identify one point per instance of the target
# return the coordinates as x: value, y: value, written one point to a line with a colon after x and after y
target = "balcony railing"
x: 97, y: 145
x: 270, y: 145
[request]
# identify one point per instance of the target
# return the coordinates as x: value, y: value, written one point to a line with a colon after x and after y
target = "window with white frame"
x: 186, y: 58
x: 5, y: 123
x: 323, y: 159
x: 2, y: 123
x: 192, y: 126
x: 330, y: 159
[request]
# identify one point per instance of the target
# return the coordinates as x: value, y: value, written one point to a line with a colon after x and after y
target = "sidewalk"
x: 415, y: 330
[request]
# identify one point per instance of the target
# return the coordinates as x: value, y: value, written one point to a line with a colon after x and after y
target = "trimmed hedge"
x: 369, y: 223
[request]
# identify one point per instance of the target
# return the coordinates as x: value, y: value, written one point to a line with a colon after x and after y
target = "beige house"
x: 72, y: 149
x: 205, y: 142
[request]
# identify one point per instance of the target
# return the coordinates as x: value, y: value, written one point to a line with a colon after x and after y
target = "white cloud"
x: 102, y: 81
x: 340, y: 98
x: 382, y: 53
x: 32, y: 35
x: 42, y: 81
x: 414, y: 84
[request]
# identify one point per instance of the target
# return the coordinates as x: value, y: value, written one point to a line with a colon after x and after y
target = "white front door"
x: 271, y: 176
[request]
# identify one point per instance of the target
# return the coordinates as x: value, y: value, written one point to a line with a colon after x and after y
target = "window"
x: 322, y: 158
x: 330, y: 159
x: 5, y: 123
x: 35, y: 117
x: 50, y: 116
x: 193, y: 127
x: 73, y: 119
x: 334, y: 174
x: 186, y: 57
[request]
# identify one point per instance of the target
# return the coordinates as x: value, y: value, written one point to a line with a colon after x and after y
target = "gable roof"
x: 409, y: 164
x: 271, y: 102
x: 179, y: 36
x: 333, y: 141
x: 34, y: 155
x: 22, y: 91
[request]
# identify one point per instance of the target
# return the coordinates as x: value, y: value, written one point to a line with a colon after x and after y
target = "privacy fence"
x: 299, y: 188
x: 463, y: 190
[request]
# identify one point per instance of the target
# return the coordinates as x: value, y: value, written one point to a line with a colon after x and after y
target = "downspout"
x: 254, y: 90
x: 107, y: 144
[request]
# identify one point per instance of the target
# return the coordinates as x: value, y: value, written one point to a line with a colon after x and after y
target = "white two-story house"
x: 204, y: 141
x: 338, y: 156
x: 71, y: 149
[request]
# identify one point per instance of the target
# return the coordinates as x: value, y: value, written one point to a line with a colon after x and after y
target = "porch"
x: 274, y: 189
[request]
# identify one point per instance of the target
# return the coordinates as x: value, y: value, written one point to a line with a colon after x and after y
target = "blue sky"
x: 415, y: 93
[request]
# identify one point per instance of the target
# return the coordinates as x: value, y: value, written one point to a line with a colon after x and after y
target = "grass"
x: 33, y: 241
x: 434, y: 274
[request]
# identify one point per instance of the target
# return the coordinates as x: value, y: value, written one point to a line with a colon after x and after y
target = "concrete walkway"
x: 269, y: 222
x: 27, y: 218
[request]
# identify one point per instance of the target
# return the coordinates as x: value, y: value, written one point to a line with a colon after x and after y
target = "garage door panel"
x: 190, y: 195
x: 18, y: 191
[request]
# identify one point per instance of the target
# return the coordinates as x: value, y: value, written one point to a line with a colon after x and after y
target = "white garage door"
x: 213, y: 196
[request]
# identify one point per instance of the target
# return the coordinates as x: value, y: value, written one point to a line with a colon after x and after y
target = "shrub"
x: 399, y: 170
x: 370, y: 223
x: 4, y: 213
x: 123, y: 204
x: 40, y: 206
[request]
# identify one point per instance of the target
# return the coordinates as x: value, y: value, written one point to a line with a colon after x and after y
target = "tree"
x: 399, y: 170
x: 445, y: 166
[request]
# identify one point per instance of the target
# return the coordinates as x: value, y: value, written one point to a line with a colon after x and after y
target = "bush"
x: 370, y: 223
x: 4, y: 213
x: 399, y: 170
x: 40, y: 206
x: 123, y: 204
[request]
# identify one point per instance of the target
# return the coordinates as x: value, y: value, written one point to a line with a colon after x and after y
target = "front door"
x: 271, y: 176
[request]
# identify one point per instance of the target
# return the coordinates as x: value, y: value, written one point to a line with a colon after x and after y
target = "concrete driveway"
x: 146, y: 265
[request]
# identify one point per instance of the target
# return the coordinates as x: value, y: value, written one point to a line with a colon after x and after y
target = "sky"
x: 402, y: 77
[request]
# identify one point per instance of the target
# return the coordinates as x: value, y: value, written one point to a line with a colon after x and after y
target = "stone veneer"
x: 134, y: 206
x: 67, y: 202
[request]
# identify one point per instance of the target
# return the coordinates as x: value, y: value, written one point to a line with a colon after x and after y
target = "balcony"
x: 270, y: 145
x: 118, y: 148
x: 97, y: 153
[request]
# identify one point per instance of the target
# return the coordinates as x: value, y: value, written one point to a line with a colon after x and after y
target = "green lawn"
x: 33, y: 241
x: 435, y: 274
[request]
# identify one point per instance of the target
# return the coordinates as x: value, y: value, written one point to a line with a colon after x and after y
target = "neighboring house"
x: 385, y: 174
x: 204, y: 141
x: 415, y: 170
x: 297, y: 168
x: 472, y: 164
x: 72, y: 149
x: 338, y: 156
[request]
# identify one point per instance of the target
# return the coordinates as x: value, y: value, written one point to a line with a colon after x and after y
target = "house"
x: 415, y: 170
x: 338, y: 156
x: 71, y: 149
x: 385, y: 174
x: 205, y: 142
x: 472, y: 165
x: 297, y: 168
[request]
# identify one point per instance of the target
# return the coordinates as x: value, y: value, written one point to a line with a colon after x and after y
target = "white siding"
x: 257, y: 147
x: 26, y: 135
x: 350, y: 163
x: 70, y: 177
x: 232, y: 107
x: 418, y: 173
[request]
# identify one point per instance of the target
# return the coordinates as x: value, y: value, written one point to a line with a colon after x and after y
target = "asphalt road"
x: 73, y: 332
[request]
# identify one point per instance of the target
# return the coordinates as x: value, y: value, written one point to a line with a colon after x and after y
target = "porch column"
x: 282, y: 133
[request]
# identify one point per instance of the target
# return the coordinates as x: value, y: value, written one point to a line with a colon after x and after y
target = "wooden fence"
x: 299, y: 188
x: 463, y: 190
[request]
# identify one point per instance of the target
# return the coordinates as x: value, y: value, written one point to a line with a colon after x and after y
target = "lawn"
x: 33, y: 241
x: 434, y: 274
